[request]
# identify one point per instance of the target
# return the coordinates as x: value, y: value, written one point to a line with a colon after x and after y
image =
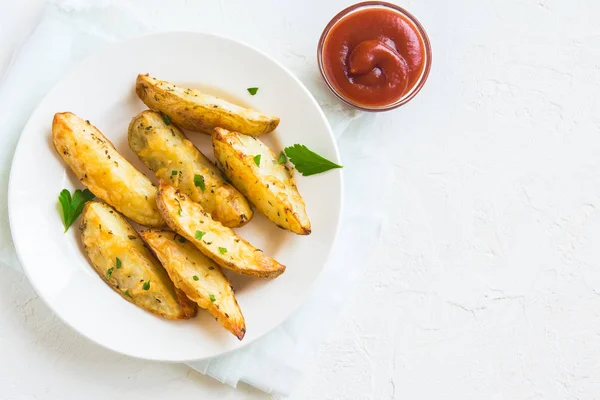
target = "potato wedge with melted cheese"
x: 100, y: 167
x: 214, y: 240
x: 198, y: 277
x: 252, y: 167
x: 173, y: 158
x: 196, y: 111
x: 120, y: 258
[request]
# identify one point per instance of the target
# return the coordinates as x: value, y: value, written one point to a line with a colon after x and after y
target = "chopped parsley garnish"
x: 167, y: 119
x: 146, y: 285
x: 179, y: 205
x: 109, y: 273
x: 212, y: 298
x: 282, y: 158
x: 181, y: 239
x: 196, y: 278
x: 308, y: 162
x: 174, y: 172
x: 199, y: 235
x: 127, y: 293
x: 199, y: 182
x: 257, y: 160
x: 222, y: 250
x: 118, y: 263
x: 252, y: 90
x: 73, y: 206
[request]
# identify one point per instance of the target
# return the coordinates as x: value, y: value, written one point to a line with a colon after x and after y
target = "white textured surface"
x: 488, y: 284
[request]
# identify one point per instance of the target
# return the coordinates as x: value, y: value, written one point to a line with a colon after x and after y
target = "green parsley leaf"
x: 282, y: 158
x: 199, y: 235
x: 127, y: 293
x: 212, y: 298
x: 65, y: 202
x: 146, y: 285
x: 257, y: 160
x: 167, y: 119
x: 199, y: 182
x: 109, y: 273
x: 72, y: 206
x: 308, y: 162
x: 174, y: 172
x: 252, y: 90
x: 196, y: 278
x: 180, y: 238
x: 118, y: 263
x: 222, y: 250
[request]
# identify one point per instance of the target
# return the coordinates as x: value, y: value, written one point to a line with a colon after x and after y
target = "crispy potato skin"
x: 183, y: 262
x: 187, y: 218
x: 269, y: 186
x: 193, y: 110
x: 106, y: 236
x: 187, y: 305
x: 165, y: 150
x: 99, y: 166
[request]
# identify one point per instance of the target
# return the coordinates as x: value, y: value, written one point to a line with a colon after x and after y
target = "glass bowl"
x: 412, y: 92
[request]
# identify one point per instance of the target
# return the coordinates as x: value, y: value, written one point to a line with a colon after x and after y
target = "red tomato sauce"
x: 373, y: 56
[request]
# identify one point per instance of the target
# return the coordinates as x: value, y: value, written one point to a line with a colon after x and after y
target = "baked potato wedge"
x: 252, y: 167
x: 214, y: 240
x: 189, y: 308
x: 198, y: 277
x: 100, y: 167
x: 173, y: 158
x: 196, y: 111
x: 120, y: 258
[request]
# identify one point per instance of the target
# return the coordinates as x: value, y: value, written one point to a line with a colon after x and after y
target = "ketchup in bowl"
x: 374, y: 55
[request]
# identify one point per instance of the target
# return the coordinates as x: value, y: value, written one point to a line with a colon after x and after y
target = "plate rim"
x: 106, y: 48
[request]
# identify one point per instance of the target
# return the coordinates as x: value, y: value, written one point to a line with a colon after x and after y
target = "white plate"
x: 101, y: 89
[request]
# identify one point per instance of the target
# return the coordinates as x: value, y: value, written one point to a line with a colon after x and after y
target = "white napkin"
x: 275, y: 362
